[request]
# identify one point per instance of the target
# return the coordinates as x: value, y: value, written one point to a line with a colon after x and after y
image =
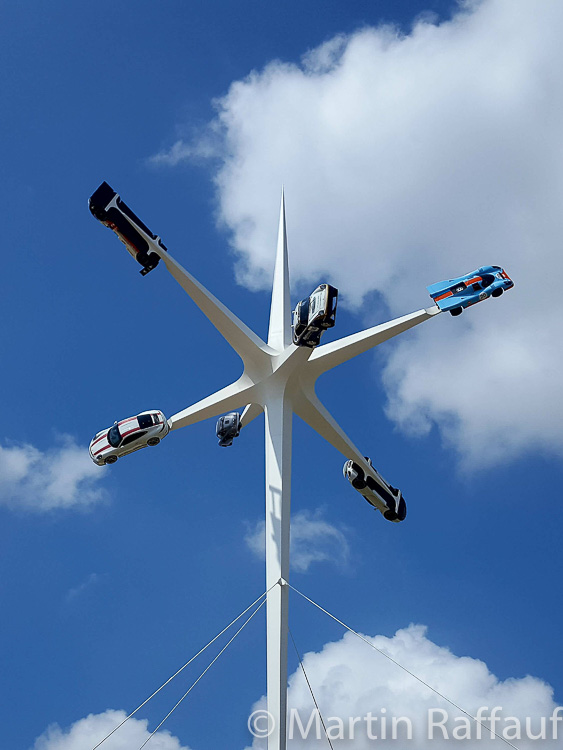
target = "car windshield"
x: 114, y: 436
x: 487, y: 279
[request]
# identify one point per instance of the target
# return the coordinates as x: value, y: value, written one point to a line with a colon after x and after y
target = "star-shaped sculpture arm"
x: 326, y: 357
x: 229, y: 398
x: 251, y: 411
x: 250, y: 347
x: 311, y: 410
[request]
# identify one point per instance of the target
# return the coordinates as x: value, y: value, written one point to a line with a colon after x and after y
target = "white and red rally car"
x: 131, y: 434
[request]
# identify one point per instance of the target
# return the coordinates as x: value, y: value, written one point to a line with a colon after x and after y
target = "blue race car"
x: 455, y: 294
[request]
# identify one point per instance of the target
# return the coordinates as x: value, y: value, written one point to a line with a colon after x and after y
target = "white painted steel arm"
x: 279, y: 333
x: 326, y: 357
x: 227, y: 399
x: 251, y: 411
x: 243, y: 340
x: 311, y: 410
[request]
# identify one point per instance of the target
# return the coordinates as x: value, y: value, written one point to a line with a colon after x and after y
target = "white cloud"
x: 313, y: 540
x: 493, y: 390
x: 87, y: 732
x: 204, y: 148
x: 349, y: 680
x: 408, y: 159
x: 87, y: 583
x: 177, y: 153
x: 61, y: 477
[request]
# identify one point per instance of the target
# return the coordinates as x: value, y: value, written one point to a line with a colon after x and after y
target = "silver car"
x: 131, y: 434
x: 228, y: 428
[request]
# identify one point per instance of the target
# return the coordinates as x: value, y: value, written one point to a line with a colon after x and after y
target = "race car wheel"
x: 153, y: 441
x: 111, y: 459
x: 456, y: 311
x: 359, y: 482
x: 497, y: 292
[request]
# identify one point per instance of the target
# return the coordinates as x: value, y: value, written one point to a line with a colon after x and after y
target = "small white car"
x: 314, y: 315
x: 131, y: 434
x: 386, y: 499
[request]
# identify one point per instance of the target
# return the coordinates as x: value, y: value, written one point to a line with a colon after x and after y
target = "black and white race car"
x: 379, y: 493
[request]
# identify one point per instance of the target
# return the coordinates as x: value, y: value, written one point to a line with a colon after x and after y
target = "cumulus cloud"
x: 407, y: 159
x: 61, y: 477
x: 313, y: 540
x: 87, y: 732
x: 351, y: 680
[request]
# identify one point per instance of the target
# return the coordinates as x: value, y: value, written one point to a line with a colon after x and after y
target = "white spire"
x: 279, y: 333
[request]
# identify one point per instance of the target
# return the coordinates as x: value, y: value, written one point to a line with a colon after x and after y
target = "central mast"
x: 278, y: 421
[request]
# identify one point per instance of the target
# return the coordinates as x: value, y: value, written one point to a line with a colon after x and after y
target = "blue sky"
x: 111, y: 579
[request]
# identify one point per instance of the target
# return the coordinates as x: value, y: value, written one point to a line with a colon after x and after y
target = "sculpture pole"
x: 278, y: 428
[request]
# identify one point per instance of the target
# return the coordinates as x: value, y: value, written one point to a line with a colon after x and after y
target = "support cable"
x: 164, y: 684
x: 311, y: 690
x: 437, y: 692
x: 211, y: 663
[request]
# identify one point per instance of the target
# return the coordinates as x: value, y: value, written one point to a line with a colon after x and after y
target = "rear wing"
x: 441, y: 286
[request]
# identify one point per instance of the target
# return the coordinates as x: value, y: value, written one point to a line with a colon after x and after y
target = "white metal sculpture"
x: 279, y: 379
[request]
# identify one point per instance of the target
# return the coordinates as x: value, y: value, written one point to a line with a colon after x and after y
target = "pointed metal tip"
x: 279, y: 333
x: 282, y: 209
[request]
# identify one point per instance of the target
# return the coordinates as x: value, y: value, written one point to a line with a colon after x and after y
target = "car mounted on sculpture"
x: 314, y: 315
x: 131, y: 434
x: 386, y: 499
x: 456, y: 294
x: 106, y: 205
x: 228, y: 428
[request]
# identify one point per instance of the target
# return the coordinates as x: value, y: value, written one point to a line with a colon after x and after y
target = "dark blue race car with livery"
x: 456, y: 294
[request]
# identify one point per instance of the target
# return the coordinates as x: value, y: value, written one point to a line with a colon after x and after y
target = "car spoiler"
x: 441, y: 286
